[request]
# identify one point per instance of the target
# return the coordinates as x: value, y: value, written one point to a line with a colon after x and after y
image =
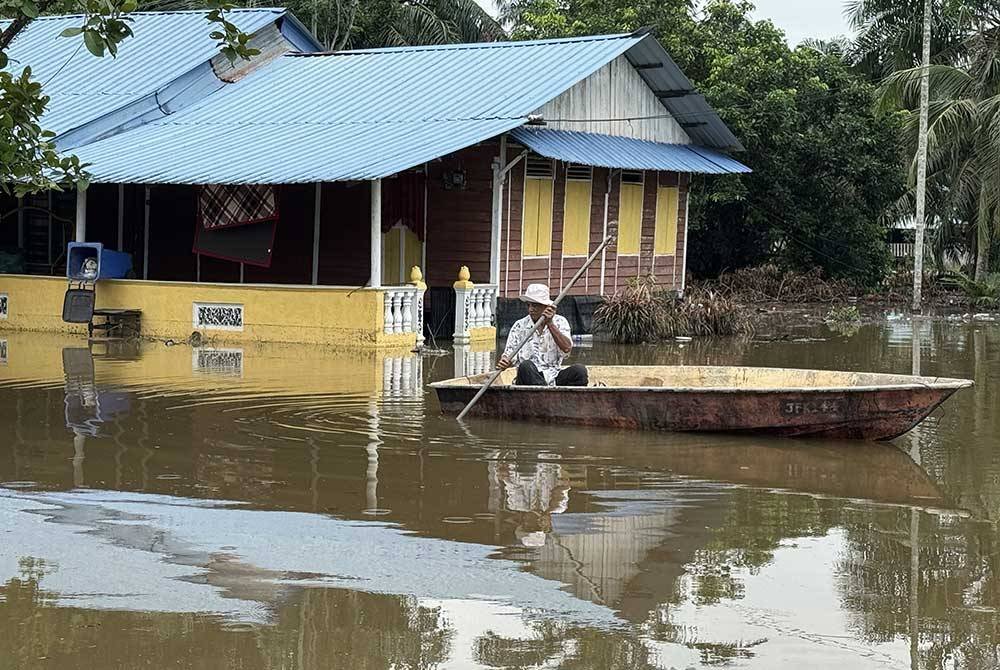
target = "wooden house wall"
x: 556, y: 270
x: 459, y: 220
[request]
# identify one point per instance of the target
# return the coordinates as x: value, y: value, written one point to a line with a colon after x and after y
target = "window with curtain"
x: 576, y: 219
x: 630, y: 213
x: 667, y: 201
x: 536, y: 227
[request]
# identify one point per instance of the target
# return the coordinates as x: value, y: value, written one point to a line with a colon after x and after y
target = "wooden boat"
x: 776, y: 401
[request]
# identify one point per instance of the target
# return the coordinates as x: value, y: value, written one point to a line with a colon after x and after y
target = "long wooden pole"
x: 541, y: 322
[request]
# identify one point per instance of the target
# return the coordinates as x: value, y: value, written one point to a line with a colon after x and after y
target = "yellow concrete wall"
x: 269, y: 369
x: 272, y: 313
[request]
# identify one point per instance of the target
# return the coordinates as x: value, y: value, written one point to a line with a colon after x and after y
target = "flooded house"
x: 356, y: 197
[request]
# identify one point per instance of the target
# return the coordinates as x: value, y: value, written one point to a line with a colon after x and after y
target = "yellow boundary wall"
x: 271, y: 313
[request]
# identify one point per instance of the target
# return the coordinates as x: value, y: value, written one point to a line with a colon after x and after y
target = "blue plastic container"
x: 90, y: 261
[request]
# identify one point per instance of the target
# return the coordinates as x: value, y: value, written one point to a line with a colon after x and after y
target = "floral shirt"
x: 542, y: 350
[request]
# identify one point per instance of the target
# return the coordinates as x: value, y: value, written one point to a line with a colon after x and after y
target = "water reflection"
x: 288, y: 506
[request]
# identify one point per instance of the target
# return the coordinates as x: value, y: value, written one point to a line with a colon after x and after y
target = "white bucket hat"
x: 538, y: 293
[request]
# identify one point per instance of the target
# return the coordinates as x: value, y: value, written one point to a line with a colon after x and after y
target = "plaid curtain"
x: 225, y: 206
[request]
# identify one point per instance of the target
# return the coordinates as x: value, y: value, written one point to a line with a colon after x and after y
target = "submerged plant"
x: 642, y: 312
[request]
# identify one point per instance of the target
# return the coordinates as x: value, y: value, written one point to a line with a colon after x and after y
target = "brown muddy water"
x: 291, y: 507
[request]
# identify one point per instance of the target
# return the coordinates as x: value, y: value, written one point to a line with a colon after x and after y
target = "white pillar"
x: 604, y: 230
x: 375, y: 281
x: 497, y: 223
x: 316, y: 226
x: 687, y: 229
x: 81, y: 215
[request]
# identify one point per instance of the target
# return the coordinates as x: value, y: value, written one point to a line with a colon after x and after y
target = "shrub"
x: 985, y: 293
x: 642, y: 312
x: 769, y: 283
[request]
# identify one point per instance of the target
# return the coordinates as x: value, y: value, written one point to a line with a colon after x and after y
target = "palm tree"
x: 345, y: 24
x: 964, y: 129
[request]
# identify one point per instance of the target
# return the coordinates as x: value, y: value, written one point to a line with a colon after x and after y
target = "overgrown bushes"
x: 643, y: 312
x: 984, y: 294
x: 769, y: 283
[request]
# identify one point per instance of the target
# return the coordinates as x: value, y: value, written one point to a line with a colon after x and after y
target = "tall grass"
x: 643, y: 312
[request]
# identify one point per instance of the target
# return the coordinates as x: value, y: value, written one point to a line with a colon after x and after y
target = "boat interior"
x: 741, y: 378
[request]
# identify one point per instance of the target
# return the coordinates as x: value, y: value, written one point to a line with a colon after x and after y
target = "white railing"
x: 403, y: 309
x: 901, y: 249
x: 403, y: 377
x: 469, y: 363
x: 475, y: 307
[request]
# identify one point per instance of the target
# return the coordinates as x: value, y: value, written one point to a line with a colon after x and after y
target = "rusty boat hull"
x: 771, y: 401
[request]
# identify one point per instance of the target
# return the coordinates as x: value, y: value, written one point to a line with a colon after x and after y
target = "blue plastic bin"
x: 110, y: 264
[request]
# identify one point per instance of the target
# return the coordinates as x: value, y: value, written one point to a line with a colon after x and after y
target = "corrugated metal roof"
x: 83, y: 87
x: 353, y: 114
x: 692, y: 111
x: 624, y: 152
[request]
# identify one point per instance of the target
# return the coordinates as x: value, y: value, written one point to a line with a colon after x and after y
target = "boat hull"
x: 868, y: 413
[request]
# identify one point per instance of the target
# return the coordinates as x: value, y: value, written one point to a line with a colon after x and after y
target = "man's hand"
x: 503, y: 363
x: 549, y: 313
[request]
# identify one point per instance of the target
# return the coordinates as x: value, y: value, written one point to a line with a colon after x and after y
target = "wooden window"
x: 576, y: 220
x: 536, y: 226
x: 630, y: 213
x: 667, y: 201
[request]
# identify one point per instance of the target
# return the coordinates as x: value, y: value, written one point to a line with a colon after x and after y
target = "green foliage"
x: 642, y: 312
x: 356, y: 24
x: 846, y: 314
x: 964, y: 135
x: 825, y: 164
x: 983, y: 293
x: 29, y: 160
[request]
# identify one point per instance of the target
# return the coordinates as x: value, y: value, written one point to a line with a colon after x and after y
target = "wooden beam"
x: 679, y: 93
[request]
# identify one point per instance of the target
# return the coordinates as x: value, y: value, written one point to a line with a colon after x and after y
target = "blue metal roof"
x: 624, y: 152
x: 352, y: 114
x: 82, y: 87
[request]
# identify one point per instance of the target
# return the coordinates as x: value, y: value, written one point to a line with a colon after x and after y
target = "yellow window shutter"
x: 576, y: 220
x: 667, y: 201
x: 529, y: 228
x: 629, y: 219
x: 536, y: 235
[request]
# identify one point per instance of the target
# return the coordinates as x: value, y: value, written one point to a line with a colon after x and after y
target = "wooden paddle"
x: 541, y: 322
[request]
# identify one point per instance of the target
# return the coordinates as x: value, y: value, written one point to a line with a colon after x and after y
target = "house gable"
x: 616, y: 91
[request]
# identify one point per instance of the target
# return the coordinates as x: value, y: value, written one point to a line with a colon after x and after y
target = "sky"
x: 804, y: 18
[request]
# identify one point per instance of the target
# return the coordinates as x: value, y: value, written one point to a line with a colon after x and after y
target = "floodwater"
x: 291, y: 507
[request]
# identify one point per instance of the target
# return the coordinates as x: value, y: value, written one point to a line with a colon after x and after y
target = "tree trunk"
x: 918, y: 248
x: 982, y: 254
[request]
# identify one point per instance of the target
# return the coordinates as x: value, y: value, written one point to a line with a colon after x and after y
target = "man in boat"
x: 539, y: 362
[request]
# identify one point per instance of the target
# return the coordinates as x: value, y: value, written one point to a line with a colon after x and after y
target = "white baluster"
x: 474, y: 317
x: 406, y: 376
x: 488, y: 294
x: 418, y: 316
x: 397, y: 318
x: 386, y: 375
x: 388, y: 311
x: 397, y: 376
x: 408, y: 312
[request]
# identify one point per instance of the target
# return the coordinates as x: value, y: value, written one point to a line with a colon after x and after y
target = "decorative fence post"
x: 464, y: 290
x: 417, y: 279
